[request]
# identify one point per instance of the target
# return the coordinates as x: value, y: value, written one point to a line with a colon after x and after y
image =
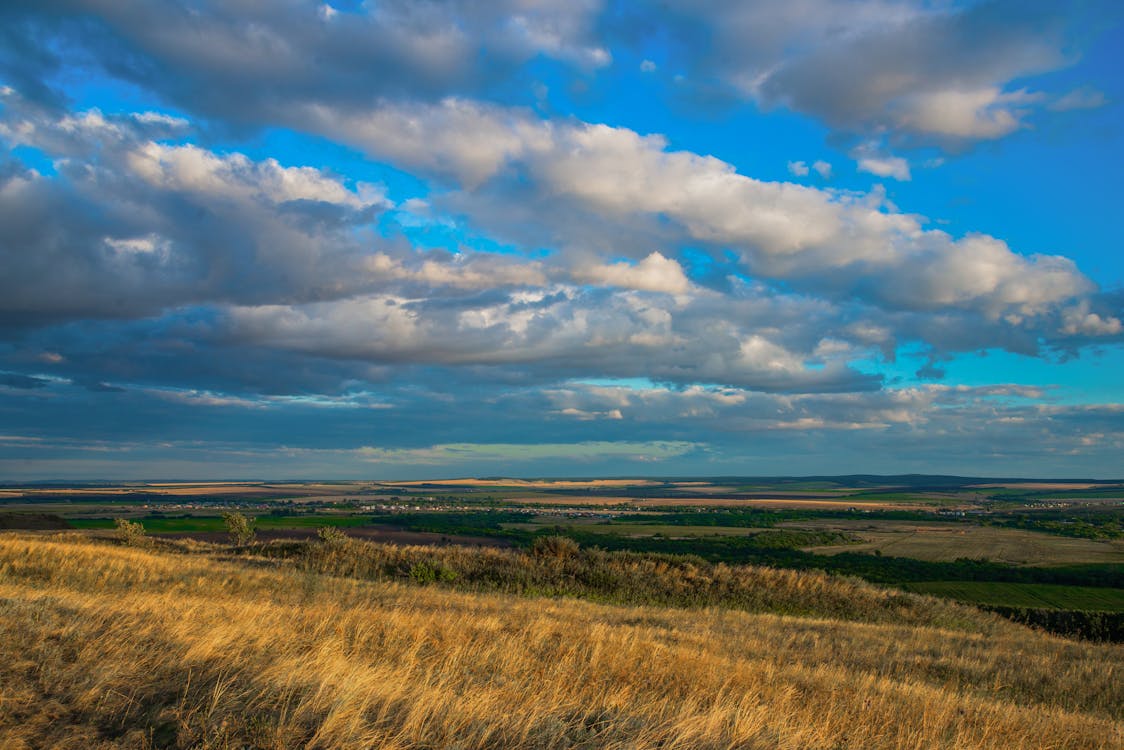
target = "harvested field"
x: 947, y: 542
x: 787, y: 502
x: 546, y: 484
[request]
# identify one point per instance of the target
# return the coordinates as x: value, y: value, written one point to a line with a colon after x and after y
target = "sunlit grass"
x: 115, y: 646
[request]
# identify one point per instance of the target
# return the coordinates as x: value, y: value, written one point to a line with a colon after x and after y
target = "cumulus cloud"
x: 130, y: 226
x: 151, y: 274
x: 569, y: 331
x: 931, y: 73
x: 1079, y: 320
x: 273, y: 250
x: 974, y: 114
x: 245, y: 62
x: 882, y: 165
x: 820, y: 240
x: 654, y: 273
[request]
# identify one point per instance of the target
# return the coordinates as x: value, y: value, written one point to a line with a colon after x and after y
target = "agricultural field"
x: 1025, y: 594
x: 947, y: 542
x: 889, y: 530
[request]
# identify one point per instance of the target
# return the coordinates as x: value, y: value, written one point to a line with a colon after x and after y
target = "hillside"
x: 189, y: 645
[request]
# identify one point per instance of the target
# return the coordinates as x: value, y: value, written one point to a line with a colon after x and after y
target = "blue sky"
x: 402, y: 239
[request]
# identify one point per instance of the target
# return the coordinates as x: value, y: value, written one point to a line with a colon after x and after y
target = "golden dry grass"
x: 106, y: 646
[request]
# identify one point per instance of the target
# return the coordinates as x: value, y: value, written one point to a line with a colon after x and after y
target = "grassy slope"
x: 103, y: 645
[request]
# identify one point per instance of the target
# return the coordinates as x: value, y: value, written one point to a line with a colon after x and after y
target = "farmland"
x: 935, y: 532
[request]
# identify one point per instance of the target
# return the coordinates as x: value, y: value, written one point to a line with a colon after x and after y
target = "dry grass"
x: 105, y: 646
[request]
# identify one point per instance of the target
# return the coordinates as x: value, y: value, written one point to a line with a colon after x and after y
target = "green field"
x: 1036, y: 595
x: 638, y: 529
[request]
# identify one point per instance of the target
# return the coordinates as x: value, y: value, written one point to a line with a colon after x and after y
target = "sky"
x: 392, y: 240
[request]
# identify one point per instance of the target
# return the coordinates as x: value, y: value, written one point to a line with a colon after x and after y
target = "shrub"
x: 240, y: 528
x: 428, y: 572
x: 557, y: 547
x: 331, y: 536
x: 131, y: 532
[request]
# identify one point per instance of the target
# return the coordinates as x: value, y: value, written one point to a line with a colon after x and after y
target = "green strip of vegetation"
x: 1035, y: 595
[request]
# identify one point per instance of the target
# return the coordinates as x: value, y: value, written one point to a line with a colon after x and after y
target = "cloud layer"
x: 477, y: 276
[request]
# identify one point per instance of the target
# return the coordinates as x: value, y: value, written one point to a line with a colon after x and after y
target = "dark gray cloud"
x: 23, y: 382
x: 130, y: 226
x: 250, y: 63
x: 948, y: 74
x: 921, y: 73
x: 573, y: 428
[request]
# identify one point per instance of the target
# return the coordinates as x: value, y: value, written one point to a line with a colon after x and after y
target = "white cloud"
x: 567, y: 177
x: 234, y: 175
x: 647, y: 66
x: 654, y: 273
x: 823, y: 168
x: 870, y: 160
x: 973, y: 114
x: 473, y: 271
x: 1079, y: 320
x: 798, y: 168
x: 885, y: 166
x: 467, y: 140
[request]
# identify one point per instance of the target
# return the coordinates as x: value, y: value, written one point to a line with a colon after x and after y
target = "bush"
x: 131, y: 532
x: 331, y: 536
x: 427, y: 572
x: 556, y: 547
x: 240, y: 528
